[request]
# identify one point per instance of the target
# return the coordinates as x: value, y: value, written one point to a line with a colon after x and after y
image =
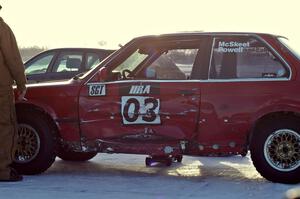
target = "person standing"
x: 11, y: 69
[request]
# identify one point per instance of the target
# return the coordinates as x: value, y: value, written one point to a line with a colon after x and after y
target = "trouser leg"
x: 7, y: 131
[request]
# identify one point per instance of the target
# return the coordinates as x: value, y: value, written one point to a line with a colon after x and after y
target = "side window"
x: 68, y: 62
x: 39, y: 65
x: 159, y: 60
x: 175, y: 64
x: 92, y: 60
x: 242, y: 58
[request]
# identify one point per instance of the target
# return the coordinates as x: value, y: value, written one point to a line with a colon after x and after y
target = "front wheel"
x: 35, y: 150
x: 275, y: 150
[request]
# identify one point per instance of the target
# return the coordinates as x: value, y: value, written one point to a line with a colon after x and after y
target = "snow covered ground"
x: 126, y: 176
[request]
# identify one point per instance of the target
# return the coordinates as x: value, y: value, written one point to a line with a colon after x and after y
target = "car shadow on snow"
x: 234, y: 168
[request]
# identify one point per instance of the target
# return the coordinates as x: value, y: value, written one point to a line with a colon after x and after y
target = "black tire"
x: 76, y: 156
x: 178, y: 158
x: 36, y: 138
x: 244, y: 153
x: 158, y: 159
x: 275, y: 150
x: 148, y: 161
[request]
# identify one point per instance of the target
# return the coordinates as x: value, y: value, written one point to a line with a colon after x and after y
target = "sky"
x: 108, y: 23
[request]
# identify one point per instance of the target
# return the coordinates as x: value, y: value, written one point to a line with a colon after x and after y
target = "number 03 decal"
x: 140, y: 110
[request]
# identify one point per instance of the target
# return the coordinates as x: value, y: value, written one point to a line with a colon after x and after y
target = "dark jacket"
x: 11, y: 65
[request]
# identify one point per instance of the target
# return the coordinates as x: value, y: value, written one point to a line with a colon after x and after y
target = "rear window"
x: 244, y: 58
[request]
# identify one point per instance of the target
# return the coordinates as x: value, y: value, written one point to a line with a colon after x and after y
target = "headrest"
x: 73, y: 63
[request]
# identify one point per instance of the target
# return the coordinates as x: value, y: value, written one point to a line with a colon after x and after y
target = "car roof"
x: 200, y: 33
x: 80, y: 49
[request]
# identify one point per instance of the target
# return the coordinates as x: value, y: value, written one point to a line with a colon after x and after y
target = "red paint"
x: 198, y: 112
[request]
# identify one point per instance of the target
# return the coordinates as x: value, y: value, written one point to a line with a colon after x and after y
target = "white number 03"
x: 140, y: 110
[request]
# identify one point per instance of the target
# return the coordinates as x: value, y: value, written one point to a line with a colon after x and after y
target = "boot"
x: 13, y: 177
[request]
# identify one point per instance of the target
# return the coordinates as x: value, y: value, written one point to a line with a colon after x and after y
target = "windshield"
x: 290, y: 46
x: 131, y: 62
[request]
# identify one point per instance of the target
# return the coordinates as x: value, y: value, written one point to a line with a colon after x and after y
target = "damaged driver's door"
x: 152, y: 92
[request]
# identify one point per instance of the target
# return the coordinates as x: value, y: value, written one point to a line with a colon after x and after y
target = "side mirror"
x: 102, y: 74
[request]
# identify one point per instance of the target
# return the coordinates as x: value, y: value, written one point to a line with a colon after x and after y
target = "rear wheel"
x: 35, y: 150
x: 275, y: 150
x: 76, y: 156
